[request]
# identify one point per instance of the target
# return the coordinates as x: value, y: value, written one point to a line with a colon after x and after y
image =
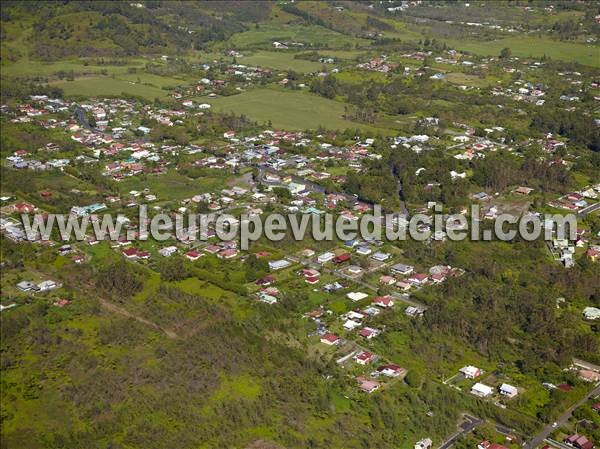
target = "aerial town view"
x: 298, y: 224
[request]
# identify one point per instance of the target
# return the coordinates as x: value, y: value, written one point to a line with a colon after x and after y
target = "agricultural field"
x: 286, y: 109
x: 107, y: 86
x: 316, y: 36
x: 530, y: 46
x: 281, y: 60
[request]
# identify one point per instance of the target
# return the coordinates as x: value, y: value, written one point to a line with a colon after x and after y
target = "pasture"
x: 287, y: 109
x: 107, y: 86
x: 530, y: 46
x: 280, y: 60
x: 313, y: 34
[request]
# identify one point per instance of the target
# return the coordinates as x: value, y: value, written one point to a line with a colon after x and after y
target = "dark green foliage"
x: 119, y: 278
x: 172, y: 269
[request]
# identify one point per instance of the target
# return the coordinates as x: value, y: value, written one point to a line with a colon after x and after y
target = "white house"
x: 325, y: 257
x: 167, y: 251
x: 591, y: 313
x: 508, y: 390
x: 356, y: 296
x: 425, y: 443
x: 481, y: 390
x: 279, y: 264
x: 351, y: 325
x: 47, y: 285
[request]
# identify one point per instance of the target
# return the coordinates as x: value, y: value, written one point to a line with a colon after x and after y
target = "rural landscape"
x: 425, y: 109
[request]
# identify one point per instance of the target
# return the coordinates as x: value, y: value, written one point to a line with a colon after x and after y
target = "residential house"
x: 307, y: 252
x: 364, y: 250
x: 48, y: 285
x: 579, y: 442
x: 24, y: 208
x: 591, y: 313
x: 325, y: 257
x: 402, y: 269
x: 369, y: 332
x: 356, y: 296
x: 26, y: 286
x: 330, y: 339
x: 266, y: 281
x: 279, y: 264
x: 193, y: 255
x: 508, y: 390
x: 130, y: 253
x: 167, y: 251
x: 403, y: 286
x: 418, y: 279
x: 470, y: 372
x: 227, y: 253
x: 369, y: 386
x: 387, y: 280
x: 364, y: 358
x: 481, y: 390
x: 344, y: 257
x: 425, y: 443
x: 380, y: 256
x: 385, y: 302
x: 589, y: 375
x: 391, y: 370
x: 351, y: 325
x: 412, y: 311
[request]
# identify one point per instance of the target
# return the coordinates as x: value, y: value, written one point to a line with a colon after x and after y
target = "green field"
x: 106, y: 86
x: 280, y: 61
x: 286, y: 109
x: 313, y: 34
x: 534, y: 47
x: 172, y: 185
x: 28, y: 67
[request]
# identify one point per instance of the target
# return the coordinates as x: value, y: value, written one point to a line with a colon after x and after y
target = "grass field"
x: 27, y: 67
x: 467, y: 80
x: 280, y: 61
x: 107, y: 86
x: 535, y: 47
x: 287, y: 109
x: 314, y: 34
x: 172, y: 185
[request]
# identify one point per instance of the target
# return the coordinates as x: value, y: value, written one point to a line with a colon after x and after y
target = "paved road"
x: 588, y: 210
x: 467, y: 426
x: 546, y: 431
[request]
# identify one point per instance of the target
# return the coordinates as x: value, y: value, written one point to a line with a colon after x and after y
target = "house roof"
x: 330, y: 338
x: 365, y: 356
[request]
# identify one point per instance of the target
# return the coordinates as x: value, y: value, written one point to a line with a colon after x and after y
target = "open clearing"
x: 313, y: 34
x: 535, y: 47
x: 27, y: 67
x: 280, y: 61
x: 286, y: 109
x: 106, y: 86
